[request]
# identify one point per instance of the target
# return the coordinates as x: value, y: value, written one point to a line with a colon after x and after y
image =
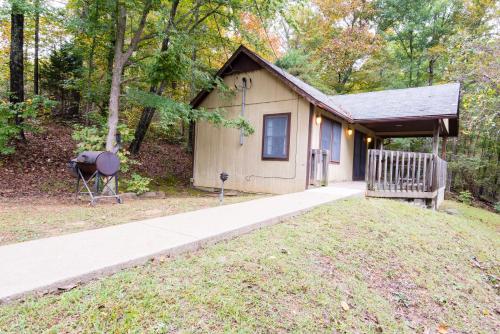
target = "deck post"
x: 435, y: 139
x: 443, y: 148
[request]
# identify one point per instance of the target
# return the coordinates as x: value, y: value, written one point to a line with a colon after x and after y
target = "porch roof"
x: 405, y: 112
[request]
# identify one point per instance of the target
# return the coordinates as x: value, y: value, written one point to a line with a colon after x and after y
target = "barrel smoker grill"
x: 97, y: 171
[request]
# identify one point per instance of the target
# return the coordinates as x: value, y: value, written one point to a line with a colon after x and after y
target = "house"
x: 304, y: 137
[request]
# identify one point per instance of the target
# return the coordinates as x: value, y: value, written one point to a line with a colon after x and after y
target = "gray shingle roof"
x: 401, y: 103
x: 395, y: 103
x: 425, y: 102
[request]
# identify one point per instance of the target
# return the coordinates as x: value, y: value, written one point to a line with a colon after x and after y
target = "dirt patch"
x: 38, y: 168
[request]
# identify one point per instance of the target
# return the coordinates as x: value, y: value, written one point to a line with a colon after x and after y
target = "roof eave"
x: 404, y: 118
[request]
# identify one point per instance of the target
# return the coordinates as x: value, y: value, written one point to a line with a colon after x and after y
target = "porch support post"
x: 443, y: 148
x: 435, y: 138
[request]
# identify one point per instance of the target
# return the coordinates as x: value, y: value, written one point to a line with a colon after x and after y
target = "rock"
x: 148, y: 194
x: 153, y: 194
x: 66, y: 287
x: 452, y: 212
x: 128, y: 195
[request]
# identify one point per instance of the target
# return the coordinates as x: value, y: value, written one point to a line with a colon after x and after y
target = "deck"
x: 410, y: 175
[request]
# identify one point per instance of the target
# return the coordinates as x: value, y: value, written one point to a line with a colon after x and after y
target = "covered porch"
x: 415, y: 112
x: 411, y: 175
x: 408, y: 175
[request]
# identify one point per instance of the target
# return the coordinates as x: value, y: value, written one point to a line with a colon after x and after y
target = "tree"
x: 301, y: 64
x: 350, y: 39
x: 338, y: 35
x: 418, y: 28
x: 17, y: 59
x: 182, y: 25
x: 156, y: 88
x: 37, y: 42
x: 61, y: 77
x: 119, y: 60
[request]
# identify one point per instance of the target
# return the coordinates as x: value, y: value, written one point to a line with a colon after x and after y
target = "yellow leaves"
x: 437, y: 50
x: 442, y: 328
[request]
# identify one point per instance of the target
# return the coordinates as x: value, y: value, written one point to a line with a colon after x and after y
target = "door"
x: 359, y: 163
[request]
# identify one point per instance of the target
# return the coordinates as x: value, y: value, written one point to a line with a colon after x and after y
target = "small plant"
x: 497, y: 207
x: 93, y: 138
x: 138, y: 184
x: 465, y: 197
x: 27, y: 111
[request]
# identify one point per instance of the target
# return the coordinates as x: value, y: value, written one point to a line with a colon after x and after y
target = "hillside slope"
x: 353, y: 266
x: 39, y: 168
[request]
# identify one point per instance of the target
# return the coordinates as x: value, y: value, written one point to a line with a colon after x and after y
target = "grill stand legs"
x: 97, y: 186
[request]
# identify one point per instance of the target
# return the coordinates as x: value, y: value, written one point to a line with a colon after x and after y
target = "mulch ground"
x: 39, y: 167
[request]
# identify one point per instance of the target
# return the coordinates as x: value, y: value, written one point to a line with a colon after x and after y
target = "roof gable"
x: 244, y: 60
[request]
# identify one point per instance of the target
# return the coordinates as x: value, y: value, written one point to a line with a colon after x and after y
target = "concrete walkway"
x: 52, y: 263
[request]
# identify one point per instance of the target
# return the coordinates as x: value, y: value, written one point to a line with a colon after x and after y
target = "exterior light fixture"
x: 223, y: 177
x: 369, y: 140
x: 318, y: 119
x: 349, y: 131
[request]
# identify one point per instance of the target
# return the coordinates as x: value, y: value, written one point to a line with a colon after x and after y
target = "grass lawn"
x: 354, y: 266
x: 23, y: 220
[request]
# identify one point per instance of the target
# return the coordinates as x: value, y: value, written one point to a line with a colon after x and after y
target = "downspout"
x: 309, y: 139
x: 243, y: 101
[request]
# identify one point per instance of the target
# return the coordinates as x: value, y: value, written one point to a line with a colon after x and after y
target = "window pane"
x: 331, y: 133
x: 337, y: 132
x: 275, y: 136
x: 276, y: 126
x: 326, y: 135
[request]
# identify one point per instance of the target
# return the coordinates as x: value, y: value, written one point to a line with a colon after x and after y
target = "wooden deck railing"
x: 397, y: 172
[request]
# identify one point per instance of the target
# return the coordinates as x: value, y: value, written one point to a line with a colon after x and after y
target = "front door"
x: 359, y: 163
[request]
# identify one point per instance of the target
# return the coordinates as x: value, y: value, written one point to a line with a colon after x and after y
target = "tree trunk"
x: 120, y: 58
x: 116, y: 79
x: 37, y: 40
x: 431, y: 71
x: 148, y: 113
x: 17, y: 62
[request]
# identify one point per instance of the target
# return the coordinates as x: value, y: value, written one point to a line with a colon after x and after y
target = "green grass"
x: 23, y: 220
x: 355, y: 266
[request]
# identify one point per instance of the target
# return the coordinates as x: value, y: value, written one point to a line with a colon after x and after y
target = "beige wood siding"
x: 219, y: 149
x: 341, y: 171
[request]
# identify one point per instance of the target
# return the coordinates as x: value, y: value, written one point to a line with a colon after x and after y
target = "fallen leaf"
x: 344, y: 305
x: 442, y: 329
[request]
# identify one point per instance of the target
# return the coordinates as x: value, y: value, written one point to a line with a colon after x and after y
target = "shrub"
x: 138, y: 184
x: 497, y: 207
x: 465, y: 197
x: 27, y: 111
x: 93, y: 138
